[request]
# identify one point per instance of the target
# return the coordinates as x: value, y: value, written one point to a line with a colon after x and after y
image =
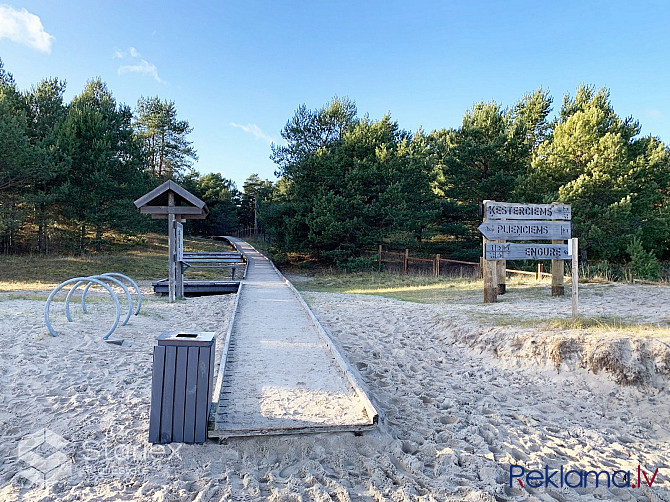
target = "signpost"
x: 573, y: 243
x: 511, y: 221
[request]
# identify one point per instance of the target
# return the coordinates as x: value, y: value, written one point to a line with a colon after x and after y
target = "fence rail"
x: 402, y: 262
x: 394, y: 261
x: 252, y: 232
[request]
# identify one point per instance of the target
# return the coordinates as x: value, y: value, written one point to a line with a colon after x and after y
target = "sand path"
x: 279, y: 373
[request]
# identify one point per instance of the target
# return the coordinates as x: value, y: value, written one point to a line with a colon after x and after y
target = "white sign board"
x: 180, y: 242
x: 521, y: 211
x: 508, y: 251
x: 514, y: 230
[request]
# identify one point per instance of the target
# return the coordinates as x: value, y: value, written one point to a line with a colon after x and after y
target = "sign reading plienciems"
x: 525, y: 230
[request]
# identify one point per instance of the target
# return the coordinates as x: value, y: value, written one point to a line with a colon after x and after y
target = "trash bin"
x: 181, y: 387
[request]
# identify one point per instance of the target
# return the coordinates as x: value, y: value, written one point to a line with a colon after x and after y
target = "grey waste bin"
x: 181, y: 387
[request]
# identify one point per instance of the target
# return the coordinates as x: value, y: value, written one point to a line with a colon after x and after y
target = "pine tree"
x: 170, y: 154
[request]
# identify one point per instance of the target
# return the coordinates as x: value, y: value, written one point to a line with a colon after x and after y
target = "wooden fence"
x: 403, y: 262
x: 257, y: 234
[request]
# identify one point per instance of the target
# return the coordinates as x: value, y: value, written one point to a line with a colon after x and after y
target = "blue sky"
x: 237, y: 71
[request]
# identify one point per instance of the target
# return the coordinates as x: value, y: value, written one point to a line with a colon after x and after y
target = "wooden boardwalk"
x: 279, y: 372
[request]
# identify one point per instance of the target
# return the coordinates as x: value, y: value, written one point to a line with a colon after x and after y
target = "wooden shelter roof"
x: 185, y: 204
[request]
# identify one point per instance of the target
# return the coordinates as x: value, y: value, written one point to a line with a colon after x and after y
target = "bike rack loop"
x: 82, y: 280
x: 110, y: 275
x: 83, y: 296
x: 134, y: 284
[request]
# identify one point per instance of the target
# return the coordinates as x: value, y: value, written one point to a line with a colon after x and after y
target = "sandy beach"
x: 462, y: 396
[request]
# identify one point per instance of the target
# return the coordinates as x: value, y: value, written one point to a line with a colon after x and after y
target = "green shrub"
x: 358, y: 264
x: 643, y: 264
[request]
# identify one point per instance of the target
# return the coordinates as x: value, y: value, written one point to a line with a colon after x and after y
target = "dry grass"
x: 145, y: 260
x: 448, y: 291
x: 413, y: 288
x: 603, y: 324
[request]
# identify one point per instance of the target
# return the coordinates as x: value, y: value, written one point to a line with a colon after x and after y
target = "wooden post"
x: 538, y: 274
x: 557, y: 272
x: 490, y: 279
x: 489, y: 268
x: 501, y: 265
x: 575, y: 277
x: 179, y: 271
x: 172, y: 276
x: 405, y: 265
x: 437, y: 265
x: 379, y: 259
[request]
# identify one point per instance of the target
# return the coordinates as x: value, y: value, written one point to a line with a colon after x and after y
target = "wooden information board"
x: 525, y: 230
x: 514, y: 221
x: 180, y: 242
x: 508, y: 251
x: 521, y: 211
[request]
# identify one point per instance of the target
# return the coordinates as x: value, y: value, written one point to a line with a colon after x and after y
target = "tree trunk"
x: 583, y: 258
x: 161, y: 158
x: 40, y: 237
x: 41, y: 232
x: 98, y: 238
x: 152, y: 161
x: 82, y: 238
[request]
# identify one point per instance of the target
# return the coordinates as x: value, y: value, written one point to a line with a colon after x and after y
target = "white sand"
x: 453, y: 415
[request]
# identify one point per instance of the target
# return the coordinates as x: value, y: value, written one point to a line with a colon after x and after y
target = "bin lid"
x: 186, y: 338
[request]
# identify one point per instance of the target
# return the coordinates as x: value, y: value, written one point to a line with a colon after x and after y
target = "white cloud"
x: 143, y: 66
x: 255, y: 131
x: 138, y: 64
x: 22, y: 27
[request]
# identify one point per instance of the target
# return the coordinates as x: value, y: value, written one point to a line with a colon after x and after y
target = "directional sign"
x: 507, y: 251
x: 519, y: 211
x: 525, y: 230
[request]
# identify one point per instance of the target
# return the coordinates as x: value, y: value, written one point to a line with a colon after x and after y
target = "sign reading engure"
x: 507, y: 251
x: 521, y: 211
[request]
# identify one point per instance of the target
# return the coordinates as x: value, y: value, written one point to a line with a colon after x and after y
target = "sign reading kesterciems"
x: 507, y: 251
x: 525, y: 230
x: 521, y: 211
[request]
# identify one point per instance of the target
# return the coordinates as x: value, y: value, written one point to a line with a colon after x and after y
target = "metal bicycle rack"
x: 100, y: 280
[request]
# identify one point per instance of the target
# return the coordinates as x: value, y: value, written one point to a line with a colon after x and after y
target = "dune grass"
x: 602, y: 324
